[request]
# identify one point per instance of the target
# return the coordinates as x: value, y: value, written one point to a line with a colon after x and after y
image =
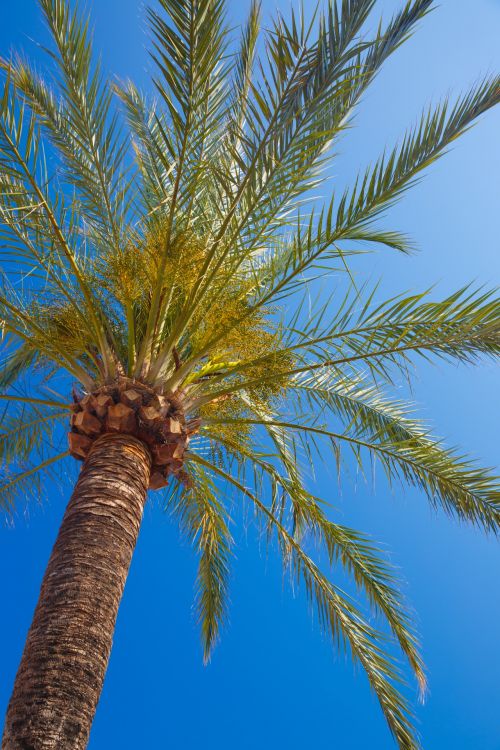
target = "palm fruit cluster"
x: 131, y: 407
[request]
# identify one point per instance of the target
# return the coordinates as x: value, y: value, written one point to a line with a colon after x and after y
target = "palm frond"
x: 341, y: 619
x: 23, y: 172
x: 148, y: 129
x: 21, y: 399
x: 26, y: 429
x: 394, y: 173
x: 26, y: 483
x: 302, y: 103
x: 80, y: 122
x: 358, y: 555
x: 204, y: 521
x: 463, y: 326
x: 244, y: 69
x: 450, y: 480
x: 292, y: 116
x: 351, y: 216
x: 15, y: 364
x: 188, y: 48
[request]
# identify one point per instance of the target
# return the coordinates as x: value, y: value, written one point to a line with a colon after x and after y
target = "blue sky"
x: 274, y: 681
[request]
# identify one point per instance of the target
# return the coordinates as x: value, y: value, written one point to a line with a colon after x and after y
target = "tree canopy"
x: 174, y: 238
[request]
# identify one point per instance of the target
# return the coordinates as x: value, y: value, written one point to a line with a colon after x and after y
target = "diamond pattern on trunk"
x: 133, y: 408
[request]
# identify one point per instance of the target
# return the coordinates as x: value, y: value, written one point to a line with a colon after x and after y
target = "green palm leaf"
x: 449, y: 479
x: 357, y: 553
x: 205, y: 523
x: 341, y: 619
x: 26, y: 483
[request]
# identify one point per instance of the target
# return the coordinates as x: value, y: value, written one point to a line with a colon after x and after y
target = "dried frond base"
x: 133, y: 408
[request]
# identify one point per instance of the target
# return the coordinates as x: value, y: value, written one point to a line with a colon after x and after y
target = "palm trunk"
x: 66, y: 654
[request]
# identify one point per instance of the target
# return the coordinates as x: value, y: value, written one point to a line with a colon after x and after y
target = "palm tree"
x: 159, y: 270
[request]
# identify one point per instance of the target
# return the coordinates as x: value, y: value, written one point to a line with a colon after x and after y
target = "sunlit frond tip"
x: 204, y: 521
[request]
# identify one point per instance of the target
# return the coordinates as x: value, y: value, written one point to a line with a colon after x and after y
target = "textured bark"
x: 66, y: 654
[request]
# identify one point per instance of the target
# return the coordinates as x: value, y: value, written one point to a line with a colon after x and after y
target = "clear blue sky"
x: 274, y: 681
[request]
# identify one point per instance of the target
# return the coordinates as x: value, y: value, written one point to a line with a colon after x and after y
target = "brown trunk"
x: 66, y: 654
